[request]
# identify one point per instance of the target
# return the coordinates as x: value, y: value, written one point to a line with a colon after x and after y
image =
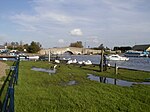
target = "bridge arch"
x: 68, y: 52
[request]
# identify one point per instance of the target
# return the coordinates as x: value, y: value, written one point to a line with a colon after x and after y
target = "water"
x: 142, y: 63
x: 113, y: 81
x: 70, y: 83
x: 44, y: 70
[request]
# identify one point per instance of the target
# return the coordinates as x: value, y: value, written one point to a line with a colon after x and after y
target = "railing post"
x: 16, y: 74
x: 8, y: 102
x: 11, y: 103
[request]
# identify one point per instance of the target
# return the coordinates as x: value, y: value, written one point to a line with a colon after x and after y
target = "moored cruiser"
x: 132, y: 53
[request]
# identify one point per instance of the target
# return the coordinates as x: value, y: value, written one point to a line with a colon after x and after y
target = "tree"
x: 76, y: 44
x: 101, y: 47
x: 34, y: 47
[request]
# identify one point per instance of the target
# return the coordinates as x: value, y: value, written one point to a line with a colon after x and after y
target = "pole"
x: 102, y: 60
x: 49, y: 56
x: 116, y: 69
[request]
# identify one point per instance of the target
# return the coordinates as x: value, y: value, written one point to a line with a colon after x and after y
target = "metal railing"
x: 7, y: 104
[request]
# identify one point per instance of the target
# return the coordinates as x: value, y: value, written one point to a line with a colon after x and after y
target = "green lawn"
x: 41, y: 92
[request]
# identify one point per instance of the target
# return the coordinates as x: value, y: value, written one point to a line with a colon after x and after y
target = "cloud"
x: 76, y: 32
x: 110, y: 19
x: 93, y: 39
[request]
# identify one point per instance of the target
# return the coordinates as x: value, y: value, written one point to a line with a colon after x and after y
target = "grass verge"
x: 41, y: 92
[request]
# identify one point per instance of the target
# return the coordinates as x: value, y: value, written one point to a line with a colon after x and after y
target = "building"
x: 3, y: 49
x: 142, y: 47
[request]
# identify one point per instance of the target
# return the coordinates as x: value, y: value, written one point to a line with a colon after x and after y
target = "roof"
x: 141, y: 47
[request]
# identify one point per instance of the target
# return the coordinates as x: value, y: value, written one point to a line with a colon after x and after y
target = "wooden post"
x: 102, y: 60
x: 105, y: 63
x: 116, y: 69
x: 49, y: 56
x: 115, y: 81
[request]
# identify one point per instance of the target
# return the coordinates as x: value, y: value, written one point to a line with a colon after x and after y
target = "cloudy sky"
x: 57, y: 23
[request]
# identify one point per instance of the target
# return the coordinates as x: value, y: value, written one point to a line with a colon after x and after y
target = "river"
x: 142, y: 63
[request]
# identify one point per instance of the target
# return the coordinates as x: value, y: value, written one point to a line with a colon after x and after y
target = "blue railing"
x: 7, y: 104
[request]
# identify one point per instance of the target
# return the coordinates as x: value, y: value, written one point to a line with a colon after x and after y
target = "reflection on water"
x: 113, y: 81
x: 72, y: 82
x: 43, y: 70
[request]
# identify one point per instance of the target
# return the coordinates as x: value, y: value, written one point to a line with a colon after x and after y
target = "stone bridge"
x: 70, y: 50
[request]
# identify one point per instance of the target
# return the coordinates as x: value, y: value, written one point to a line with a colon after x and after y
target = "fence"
x: 7, y: 104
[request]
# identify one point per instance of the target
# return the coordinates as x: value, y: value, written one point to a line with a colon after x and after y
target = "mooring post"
x: 49, y: 56
x: 116, y: 69
x: 102, y: 61
x: 105, y: 63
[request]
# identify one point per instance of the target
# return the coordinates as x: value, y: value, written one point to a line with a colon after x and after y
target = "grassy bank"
x: 41, y: 92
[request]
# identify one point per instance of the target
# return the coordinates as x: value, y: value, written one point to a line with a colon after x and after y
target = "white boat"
x: 33, y: 57
x: 4, y: 59
x: 132, y: 53
x: 116, y: 57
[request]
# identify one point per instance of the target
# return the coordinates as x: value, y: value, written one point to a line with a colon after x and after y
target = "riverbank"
x: 70, y: 90
x: 3, y: 67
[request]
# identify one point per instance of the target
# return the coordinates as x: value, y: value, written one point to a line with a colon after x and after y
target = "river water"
x: 142, y: 63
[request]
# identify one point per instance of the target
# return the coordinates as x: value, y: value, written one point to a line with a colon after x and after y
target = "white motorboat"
x: 116, y: 57
x: 132, y: 53
x: 33, y: 57
x: 4, y: 59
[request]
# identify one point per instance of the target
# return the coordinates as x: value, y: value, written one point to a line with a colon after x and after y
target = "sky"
x: 57, y: 23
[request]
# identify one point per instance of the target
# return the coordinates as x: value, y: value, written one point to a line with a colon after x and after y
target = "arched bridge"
x: 70, y: 50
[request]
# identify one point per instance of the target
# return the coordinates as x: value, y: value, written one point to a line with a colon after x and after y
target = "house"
x: 3, y: 49
x: 122, y: 48
x: 142, y: 47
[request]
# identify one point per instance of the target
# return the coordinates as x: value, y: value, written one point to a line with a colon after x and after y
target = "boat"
x: 33, y: 57
x: 4, y: 59
x: 116, y: 57
x: 132, y: 53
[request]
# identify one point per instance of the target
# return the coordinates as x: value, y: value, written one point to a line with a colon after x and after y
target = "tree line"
x: 33, y: 47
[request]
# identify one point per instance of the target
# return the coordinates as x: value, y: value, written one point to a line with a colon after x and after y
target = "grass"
x: 41, y: 92
x: 4, y: 87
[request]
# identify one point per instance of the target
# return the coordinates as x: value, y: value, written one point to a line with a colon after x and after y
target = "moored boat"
x: 132, y: 53
x: 116, y: 57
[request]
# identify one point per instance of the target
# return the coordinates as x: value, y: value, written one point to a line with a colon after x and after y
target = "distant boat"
x: 33, y: 57
x: 132, y: 53
x: 116, y: 57
x: 4, y: 59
